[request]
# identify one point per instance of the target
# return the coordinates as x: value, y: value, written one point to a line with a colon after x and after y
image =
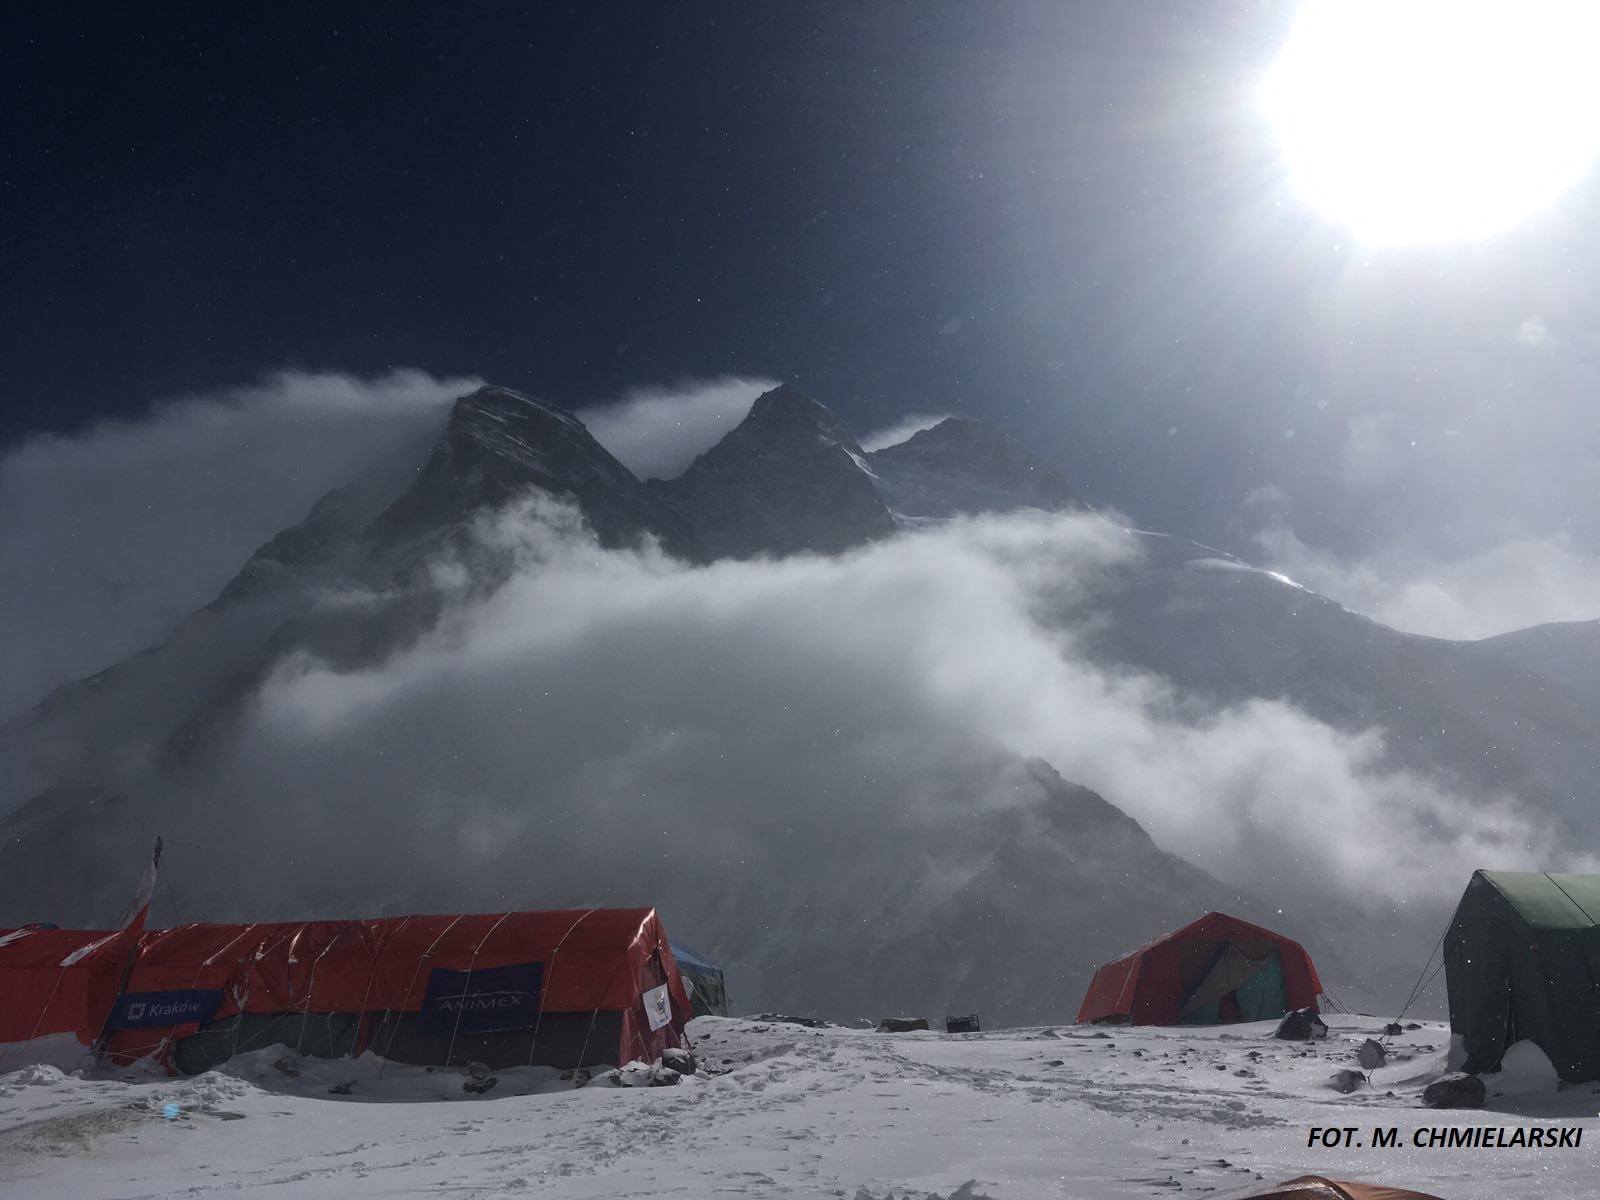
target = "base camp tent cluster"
x: 1215, y: 970
x: 570, y: 988
x: 1522, y: 961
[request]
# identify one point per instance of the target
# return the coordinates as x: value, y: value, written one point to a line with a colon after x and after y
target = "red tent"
x: 1216, y: 969
x: 1319, y: 1187
x: 567, y: 988
x: 59, y: 980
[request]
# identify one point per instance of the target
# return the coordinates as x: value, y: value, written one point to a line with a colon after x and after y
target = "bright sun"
x: 1434, y: 120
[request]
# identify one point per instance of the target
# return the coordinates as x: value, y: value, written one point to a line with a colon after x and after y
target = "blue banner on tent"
x: 482, y: 1001
x: 157, y: 1010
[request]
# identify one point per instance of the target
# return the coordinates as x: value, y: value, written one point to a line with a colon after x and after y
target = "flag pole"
x: 131, y: 927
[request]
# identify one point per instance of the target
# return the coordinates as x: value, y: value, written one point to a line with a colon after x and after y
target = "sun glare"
x: 1434, y: 120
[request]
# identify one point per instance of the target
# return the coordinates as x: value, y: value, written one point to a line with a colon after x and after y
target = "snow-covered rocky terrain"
x: 779, y: 1109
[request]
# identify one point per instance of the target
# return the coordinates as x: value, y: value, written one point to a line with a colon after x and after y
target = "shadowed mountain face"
x: 788, y: 479
x: 89, y: 775
x: 497, y: 446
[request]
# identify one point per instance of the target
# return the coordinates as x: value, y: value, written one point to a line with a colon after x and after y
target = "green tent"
x: 1522, y: 961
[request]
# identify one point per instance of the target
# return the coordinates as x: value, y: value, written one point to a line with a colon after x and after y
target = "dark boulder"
x: 1458, y: 1090
x: 1302, y: 1025
x: 680, y: 1061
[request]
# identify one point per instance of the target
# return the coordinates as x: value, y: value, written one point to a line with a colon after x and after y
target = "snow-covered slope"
x: 781, y: 1110
x: 960, y: 466
x: 1503, y: 716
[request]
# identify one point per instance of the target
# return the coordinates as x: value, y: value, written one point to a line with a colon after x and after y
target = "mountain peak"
x: 965, y: 466
x: 786, y: 411
x: 787, y: 479
x: 955, y: 431
x: 494, y: 407
x: 499, y: 444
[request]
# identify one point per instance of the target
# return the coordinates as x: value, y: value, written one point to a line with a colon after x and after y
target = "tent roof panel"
x: 1547, y: 901
x: 687, y: 957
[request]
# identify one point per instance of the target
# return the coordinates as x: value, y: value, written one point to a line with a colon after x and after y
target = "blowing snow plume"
x: 656, y: 432
x: 111, y: 536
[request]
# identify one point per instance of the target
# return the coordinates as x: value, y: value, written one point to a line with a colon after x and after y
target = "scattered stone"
x: 1302, y: 1025
x: 342, y: 1089
x: 1055, y: 1062
x: 286, y: 1067
x: 808, y: 1022
x: 1100, y: 1033
x: 1393, y: 1029
x: 578, y: 1076
x: 1413, y: 1025
x: 1372, y: 1055
x: 478, y: 1070
x: 478, y: 1087
x: 1346, y: 1081
x: 1456, y: 1090
x: 664, y: 1077
x: 681, y: 1061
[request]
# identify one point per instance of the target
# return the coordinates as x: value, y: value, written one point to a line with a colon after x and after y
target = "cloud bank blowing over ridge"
x: 110, y: 536
x: 802, y: 761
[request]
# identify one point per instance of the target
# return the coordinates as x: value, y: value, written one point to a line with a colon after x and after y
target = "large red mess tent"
x: 568, y: 988
x: 59, y: 981
x: 1214, y: 970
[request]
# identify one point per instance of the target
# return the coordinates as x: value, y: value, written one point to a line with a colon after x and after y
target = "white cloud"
x: 1375, y: 453
x: 760, y: 718
x: 1517, y: 583
x: 656, y: 432
x: 901, y: 430
x: 110, y: 536
x: 1533, y: 332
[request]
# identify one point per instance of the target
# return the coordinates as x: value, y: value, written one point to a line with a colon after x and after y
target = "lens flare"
x: 1435, y: 120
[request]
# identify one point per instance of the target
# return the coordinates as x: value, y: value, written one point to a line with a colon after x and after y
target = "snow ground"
x: 784, y: 1110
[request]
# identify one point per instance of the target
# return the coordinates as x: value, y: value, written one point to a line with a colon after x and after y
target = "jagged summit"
x: 953, y: 431
x: 500, y: 444
x: 786, y: 480
x: 786, y: 411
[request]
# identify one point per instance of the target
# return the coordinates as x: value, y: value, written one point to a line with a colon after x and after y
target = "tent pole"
x: 411, y: 987
x: 544, y: 986
x: 450, y: 1051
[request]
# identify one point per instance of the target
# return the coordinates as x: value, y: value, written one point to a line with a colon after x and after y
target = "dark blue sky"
x: 1064, y: 217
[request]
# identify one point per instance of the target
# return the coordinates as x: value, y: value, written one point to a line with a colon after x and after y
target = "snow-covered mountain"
x: 921, y: 895
x: 788, y: 478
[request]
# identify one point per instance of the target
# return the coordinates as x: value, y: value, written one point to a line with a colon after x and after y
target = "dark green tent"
x: 1522, y: 961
